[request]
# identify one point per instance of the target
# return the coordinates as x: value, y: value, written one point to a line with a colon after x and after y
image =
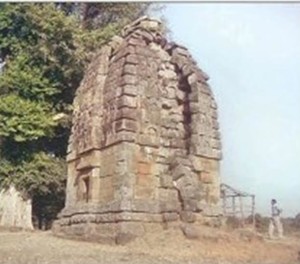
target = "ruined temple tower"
x: 145, y: 146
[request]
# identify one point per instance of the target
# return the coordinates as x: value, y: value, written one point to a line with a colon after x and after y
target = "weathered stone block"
x: 136, y: 40
x: 128, y: 79
x: 146, y: 35
x: 180, y: 171
x: 145, y: 205
x: 215, y: 143
x: 126, y: 124
x: 210, y: 210
x: 131, y: 90
x: 144, y: 188
x: 127, y: 101
x: 194, y: 107
x: 123, y: 52
x: 181, y: 51
x: 197, y: 164
x: 162, y: 54
x: 217, y: 154
x: 214, y: 104
x: 193, y: 96
x: 170, y: 217
x: 187, y: 70
x: 169, y: 93
x: 132, y: 59
x: 180, y: 95
x: 168, y: 103
x: 180, y: 159
x: 127, y: 113
x: 215, y: 124
x: 107, y: 193
x: 147, y: 140
x: 177, y: 143
x: 144, y: 168
x: 207, y: 177
x: 152, y: 25
x: 130, y: 69
x: 143, y: 51
x: 166, y: 181
x: 190, y: 204
x: 192, y: 78
x: 167, y: 74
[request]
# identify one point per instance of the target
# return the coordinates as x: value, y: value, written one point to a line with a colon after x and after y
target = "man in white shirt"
x: 275, y: 222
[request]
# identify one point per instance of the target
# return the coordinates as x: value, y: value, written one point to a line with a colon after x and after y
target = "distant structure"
x: 145, y: 146
x: 238, y: 204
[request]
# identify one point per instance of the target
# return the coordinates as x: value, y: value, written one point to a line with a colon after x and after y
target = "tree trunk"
x: 15, y: 211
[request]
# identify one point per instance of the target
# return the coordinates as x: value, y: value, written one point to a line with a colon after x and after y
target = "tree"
x: 44, y: 48
x: 99, y: 15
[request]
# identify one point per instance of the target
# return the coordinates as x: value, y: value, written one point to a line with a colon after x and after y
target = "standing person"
x: 275, y: 220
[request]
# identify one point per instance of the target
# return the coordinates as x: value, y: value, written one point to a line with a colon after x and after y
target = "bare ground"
x: 168, y: 247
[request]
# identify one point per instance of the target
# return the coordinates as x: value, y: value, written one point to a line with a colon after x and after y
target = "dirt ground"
x: 168, y: 247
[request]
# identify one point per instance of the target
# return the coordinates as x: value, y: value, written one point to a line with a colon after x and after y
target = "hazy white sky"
x: 252, y: 54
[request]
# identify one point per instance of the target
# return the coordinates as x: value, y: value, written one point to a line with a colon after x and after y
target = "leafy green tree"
x: 99, y: 15
x: 44, y: 48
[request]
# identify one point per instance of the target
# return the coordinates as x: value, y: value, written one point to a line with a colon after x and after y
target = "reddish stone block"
x: 207, y: 177
x: 144, y: 168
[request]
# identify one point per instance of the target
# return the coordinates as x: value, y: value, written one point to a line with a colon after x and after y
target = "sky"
x: 252, y: 54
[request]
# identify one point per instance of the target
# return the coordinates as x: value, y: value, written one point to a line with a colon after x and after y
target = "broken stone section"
x: 145, y: 145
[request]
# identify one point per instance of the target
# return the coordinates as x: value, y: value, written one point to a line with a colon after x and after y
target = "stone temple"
x: 145, y: 147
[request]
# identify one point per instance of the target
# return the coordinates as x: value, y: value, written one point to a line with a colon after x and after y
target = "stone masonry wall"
x: 145, y: 143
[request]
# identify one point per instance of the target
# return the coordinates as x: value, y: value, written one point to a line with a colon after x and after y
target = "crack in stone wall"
x: 145, y: 142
